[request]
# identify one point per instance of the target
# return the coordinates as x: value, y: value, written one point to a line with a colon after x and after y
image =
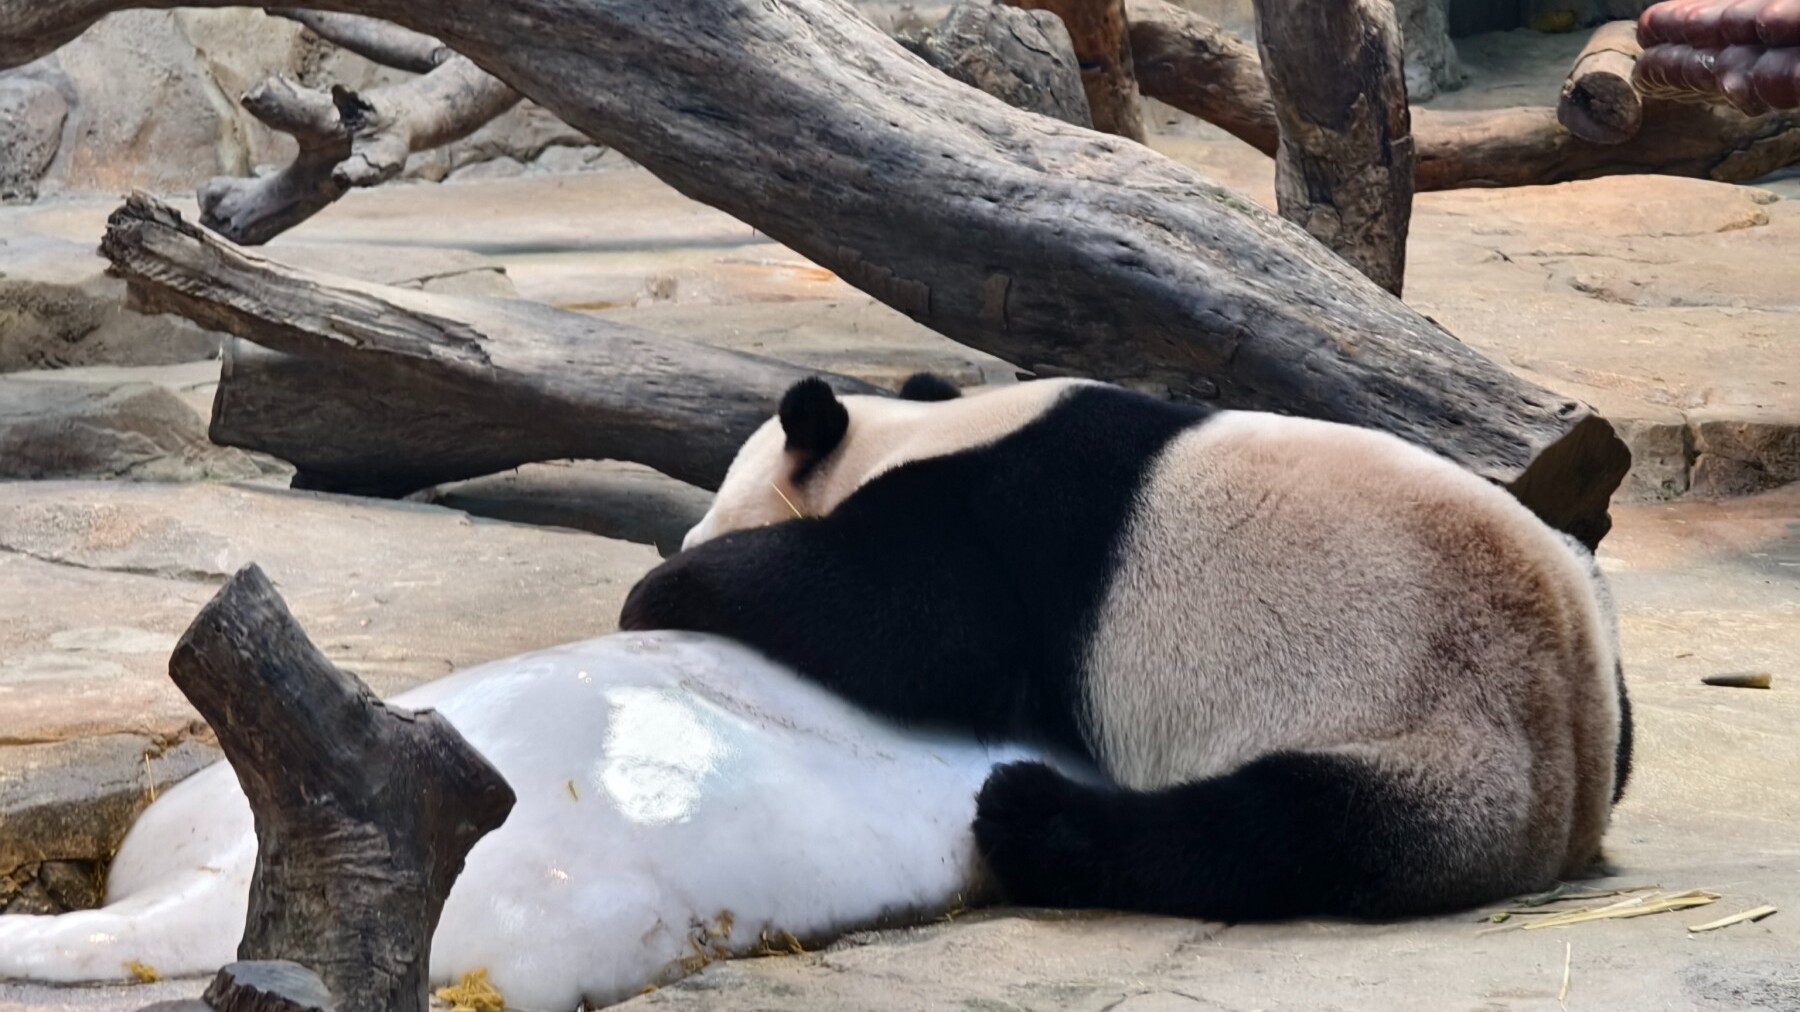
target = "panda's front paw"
x: 1037, y: 831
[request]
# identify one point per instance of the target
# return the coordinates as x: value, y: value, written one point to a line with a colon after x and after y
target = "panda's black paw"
x: 1037, y: 831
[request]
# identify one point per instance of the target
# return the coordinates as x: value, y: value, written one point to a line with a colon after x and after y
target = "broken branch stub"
x: 1598, y: 102
x: 364, y: 812
x: 377, y: 41
x: 347, y: 139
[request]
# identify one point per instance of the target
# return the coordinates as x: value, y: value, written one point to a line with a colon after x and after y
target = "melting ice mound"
x: 670, y: 786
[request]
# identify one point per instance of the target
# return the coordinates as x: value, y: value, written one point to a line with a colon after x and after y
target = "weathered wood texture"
x: 1102, y: 43
x: 1049, y: 246
x: 348, y: 139
x: 364, y: 812
x: 1186, y: 61
x: 1598, y: 102
x: 385, y: 391
x: 1344, y: 167
x: 270, y: 985
x: 1023, y: 58
x: 387, y: 44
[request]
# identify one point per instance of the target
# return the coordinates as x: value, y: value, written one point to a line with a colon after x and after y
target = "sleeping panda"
x: 1327, y: 672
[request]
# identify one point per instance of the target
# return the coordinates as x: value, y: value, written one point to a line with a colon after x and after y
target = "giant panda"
x: 1325, y: 671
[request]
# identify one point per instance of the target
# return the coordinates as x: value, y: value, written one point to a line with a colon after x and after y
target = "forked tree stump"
x: 364, y: 812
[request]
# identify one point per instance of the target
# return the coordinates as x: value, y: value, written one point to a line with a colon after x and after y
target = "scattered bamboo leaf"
x: 472, y: 993
x: 144, y: 972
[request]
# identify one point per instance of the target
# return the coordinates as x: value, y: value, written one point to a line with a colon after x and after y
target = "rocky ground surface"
x: 1670, y: 304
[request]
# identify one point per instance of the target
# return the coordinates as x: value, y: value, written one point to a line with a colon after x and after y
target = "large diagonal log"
x: 1187, y: 61
x: 364, y: 812
x: 385, y: 391
x: 1053, y: 247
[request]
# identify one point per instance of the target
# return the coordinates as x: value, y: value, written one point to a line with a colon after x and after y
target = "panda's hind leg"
x: 1291, y: 834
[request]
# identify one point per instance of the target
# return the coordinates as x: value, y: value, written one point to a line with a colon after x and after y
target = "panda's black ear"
x: 928, y: 386
x: 814, y: 419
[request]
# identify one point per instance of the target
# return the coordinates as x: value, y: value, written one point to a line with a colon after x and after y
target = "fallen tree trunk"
x: 1186, y: 61
x: 384, y: 391
x: 1097, y: 28
x: 1049, y: 246
x: 1598, y: 102
x: 364, y: 812
x: 1344, y: 166
x: 348, y: 139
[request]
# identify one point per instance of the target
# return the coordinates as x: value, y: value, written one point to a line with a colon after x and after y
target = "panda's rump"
x: 1290, y: 584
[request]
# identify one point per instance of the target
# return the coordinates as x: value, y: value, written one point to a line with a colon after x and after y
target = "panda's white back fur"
x: 1338, y: 565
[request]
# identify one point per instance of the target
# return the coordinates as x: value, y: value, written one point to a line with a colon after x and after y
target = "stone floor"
x: 1672, y: 305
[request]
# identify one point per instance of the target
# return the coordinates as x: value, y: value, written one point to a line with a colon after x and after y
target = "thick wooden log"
x: 1049, y: 246
x: 1102, y: 40
x: 1598, y: 102
x: 1193, y: 67
x: 1023, y: 58
x: 1344, y: 167
x: 364, y: 812
x: 348, y: 139
x: 392, y: 390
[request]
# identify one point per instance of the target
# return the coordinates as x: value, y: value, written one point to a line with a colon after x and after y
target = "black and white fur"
x: 1328, y: 671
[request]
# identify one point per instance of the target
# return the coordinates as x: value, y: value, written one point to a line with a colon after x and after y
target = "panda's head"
x: 817, y: 450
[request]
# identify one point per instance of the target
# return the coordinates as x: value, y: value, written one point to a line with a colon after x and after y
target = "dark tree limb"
x: 364, y: 812
x: 1023, y: 58
x: 1598, y: 102
x: 348, y: 139
x: 1046, y: 245
x: 1188, y: 63
x: 1344, y: 167
x: 377, y: 41
x: 1102, y: 42
x: 385, y: 391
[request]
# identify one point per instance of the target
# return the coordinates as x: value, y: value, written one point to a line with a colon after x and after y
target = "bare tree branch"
x: 378, y: 41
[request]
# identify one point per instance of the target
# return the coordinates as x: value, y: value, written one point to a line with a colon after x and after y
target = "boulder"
x: 31, y: 122
x: 65, y: 806
x: 60, y: 429
x: 58, y: 308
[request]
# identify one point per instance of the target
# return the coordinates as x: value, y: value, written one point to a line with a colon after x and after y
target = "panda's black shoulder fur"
x: 928, y: 386
x: 986, y: 567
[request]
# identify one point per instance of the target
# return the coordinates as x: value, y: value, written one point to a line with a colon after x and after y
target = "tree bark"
x: 1102, y: 40
x: 378, y: 41
x: 364, y: 812
x: 384, y: 391
x: 1344, y: 167
x: 1598, y: 102
x: 1049, y: 246
x: 1191, y: 65
x: 348, y: 139
x: 1023, y: 58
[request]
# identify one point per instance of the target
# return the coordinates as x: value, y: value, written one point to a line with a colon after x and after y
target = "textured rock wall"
x: 149, y: 99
